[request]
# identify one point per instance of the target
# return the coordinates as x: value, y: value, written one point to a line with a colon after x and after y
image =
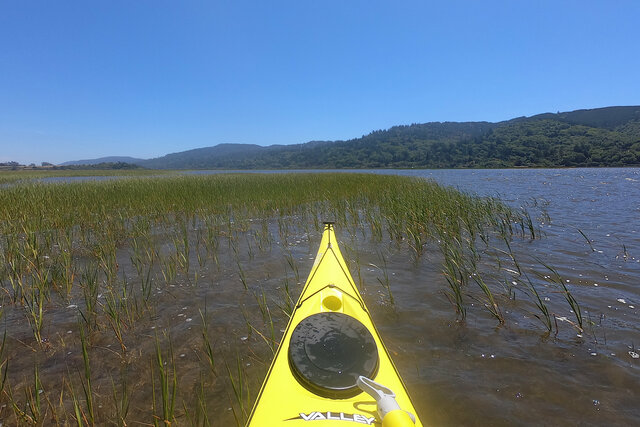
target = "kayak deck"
x: 288, y: 396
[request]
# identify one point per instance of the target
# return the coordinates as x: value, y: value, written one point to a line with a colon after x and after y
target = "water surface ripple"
x: 473, y: 373
x: 483, y: 374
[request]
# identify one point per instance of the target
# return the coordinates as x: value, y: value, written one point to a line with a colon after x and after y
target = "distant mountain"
x: 202, y: 158
x: 111, y: 159
x: 596, y: 137
x: 607, y: 117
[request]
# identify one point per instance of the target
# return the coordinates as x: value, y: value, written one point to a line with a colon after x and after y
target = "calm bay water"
x: 473, y: 375
x: 476, y: 372
x: 481, y: 373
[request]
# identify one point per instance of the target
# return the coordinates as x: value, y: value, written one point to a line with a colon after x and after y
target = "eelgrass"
x: 121, y: 401
x: 4, y: 362
x: 571, y: 300
x: 119, y: 250
x: 384, y: 281
x: 241, y: 396
x: 207, y: 347
x: 164, y: 368
x: 31, y: 412
x: 113, y: 206
x: 90, y: 415
x: 587, y: 239
x: 544, y: 314
x: 9, y: 176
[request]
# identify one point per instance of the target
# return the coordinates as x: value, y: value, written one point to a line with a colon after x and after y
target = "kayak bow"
x: 331, y: 366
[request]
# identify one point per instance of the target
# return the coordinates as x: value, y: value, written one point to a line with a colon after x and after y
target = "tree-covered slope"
x: 607, y: 117
x: 597, y: 137
x: 549, y: 142
x: 111, y: 159
x: 202, y: 158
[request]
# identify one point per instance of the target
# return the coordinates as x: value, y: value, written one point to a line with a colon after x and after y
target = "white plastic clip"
x: 385, y: 397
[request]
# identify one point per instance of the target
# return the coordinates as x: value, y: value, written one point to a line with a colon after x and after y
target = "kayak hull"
x: 285, y: 399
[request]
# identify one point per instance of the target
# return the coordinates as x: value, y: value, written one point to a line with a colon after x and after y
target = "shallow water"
x: 477, y: 372
x: 514, y: 374
x: 481, y: 373
x: 477, y: 375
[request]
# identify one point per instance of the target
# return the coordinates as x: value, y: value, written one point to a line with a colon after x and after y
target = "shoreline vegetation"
x: 600, y: 137
x: 607, y: 136
x: 159, y: 299
x: 28, y: 175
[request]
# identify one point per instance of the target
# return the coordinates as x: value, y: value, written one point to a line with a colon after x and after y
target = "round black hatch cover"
x: 329, y: 351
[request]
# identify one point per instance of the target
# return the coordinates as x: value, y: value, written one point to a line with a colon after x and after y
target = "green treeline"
x: 99, y: 166
x: 583, y: 138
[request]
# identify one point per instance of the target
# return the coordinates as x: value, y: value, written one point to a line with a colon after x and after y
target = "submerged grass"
x: 165, y: 370
x: 117, y: 254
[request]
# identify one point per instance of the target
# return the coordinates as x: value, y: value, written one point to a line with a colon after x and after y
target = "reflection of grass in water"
x: 106, y: 246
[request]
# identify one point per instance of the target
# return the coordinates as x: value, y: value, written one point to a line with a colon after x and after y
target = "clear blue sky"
x: 143, y: 78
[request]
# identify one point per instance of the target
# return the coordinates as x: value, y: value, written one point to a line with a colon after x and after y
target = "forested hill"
x: 597, y: 137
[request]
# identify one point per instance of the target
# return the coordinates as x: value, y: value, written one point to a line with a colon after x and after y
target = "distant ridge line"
x: 607, y: 136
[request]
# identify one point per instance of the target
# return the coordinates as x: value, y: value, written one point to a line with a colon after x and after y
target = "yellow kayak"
x: 331, y: 368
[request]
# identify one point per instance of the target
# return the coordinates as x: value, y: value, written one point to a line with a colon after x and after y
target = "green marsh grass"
x: 287, y: 301
x: 206, y: 343
x: 31, y: 412
x: 87, y: 389
x: 489, y: 302
x: 164, y: 367
x: 545, y: 315
x: 557, y: 279
x: 4, y: 363
x: 625, y: 253
x: 293, y: 265
x: 89, y: 283
x: 8, y: 177
x: 124, y: 253
x: 121, y: 401
x: 587, y: 239
x: 199, y: 416
x: 457, y: 278
x: 384, y: 281
x: 241, y: 396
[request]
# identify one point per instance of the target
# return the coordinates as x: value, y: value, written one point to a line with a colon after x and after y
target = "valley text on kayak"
x: 337, y: 416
